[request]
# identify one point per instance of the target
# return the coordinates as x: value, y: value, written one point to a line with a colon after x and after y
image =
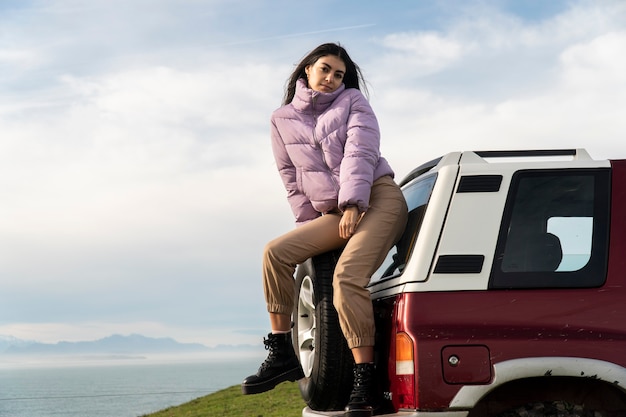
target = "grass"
x: 282, y: 401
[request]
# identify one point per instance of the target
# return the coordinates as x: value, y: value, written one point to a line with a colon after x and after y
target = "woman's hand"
x: 349, y: 221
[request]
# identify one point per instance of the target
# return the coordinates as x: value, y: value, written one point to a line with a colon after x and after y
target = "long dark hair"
x: 353, y: 78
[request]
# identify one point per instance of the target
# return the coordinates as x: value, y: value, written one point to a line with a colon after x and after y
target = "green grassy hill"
x: 282, y: 401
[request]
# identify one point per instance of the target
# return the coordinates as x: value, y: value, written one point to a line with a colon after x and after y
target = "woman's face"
x: 326, y: 74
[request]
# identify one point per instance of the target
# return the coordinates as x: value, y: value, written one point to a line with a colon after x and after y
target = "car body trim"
x: 307, y: 412
x: 515, y: 369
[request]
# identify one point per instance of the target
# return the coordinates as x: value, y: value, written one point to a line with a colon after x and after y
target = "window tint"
x: 554, y: 231
x: 417, y: 196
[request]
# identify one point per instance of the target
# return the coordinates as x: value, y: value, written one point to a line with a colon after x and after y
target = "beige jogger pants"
x: 380, y: 228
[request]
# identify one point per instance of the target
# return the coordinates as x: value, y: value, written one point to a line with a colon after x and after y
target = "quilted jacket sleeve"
x: 361, y: 155
x: 300, y: 204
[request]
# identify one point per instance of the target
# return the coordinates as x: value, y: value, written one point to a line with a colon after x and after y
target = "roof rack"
x: 537, y: 152
x: 580, y: 154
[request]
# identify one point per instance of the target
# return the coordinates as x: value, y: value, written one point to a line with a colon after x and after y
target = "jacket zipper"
x: 318, y: 145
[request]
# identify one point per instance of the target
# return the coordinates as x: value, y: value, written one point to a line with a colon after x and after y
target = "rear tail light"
x: 404, y: 387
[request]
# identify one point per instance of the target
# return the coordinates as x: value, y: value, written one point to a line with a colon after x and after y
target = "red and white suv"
x: 506, y: 295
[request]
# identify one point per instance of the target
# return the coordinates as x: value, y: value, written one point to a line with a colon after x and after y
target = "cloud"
x: 593, y: 66
x: 18, y: 58
x: 421, y: 53
x: 551, y: 84
x: 137, y: 178
x: 136, y: 195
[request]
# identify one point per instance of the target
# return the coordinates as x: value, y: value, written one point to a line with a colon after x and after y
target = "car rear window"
x: 554, y: 231
x: 417, y: 196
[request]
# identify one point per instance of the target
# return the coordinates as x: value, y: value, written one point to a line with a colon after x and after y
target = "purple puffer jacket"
x: 326, y: 147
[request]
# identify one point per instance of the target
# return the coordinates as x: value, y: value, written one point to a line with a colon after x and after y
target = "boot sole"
x: 358, y: 413
x: 292, y: 375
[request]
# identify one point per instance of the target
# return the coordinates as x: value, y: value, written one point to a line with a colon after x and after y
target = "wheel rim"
x: 306, y: 325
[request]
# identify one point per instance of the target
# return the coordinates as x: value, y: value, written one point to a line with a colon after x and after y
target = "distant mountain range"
x: 115, y: 345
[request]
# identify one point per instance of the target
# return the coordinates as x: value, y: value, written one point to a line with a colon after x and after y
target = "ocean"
x: 116, y: 387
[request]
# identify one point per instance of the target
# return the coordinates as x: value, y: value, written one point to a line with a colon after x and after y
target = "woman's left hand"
x: 349, y: 221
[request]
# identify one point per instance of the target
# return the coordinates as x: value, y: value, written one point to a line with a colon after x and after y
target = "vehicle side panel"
x: 510, y: 324
x: 617, y: 239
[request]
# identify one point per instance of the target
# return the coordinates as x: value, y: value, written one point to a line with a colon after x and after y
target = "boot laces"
x: 362, y: 385
x: 272, y: 345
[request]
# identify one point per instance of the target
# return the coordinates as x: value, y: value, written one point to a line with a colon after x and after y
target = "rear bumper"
x: 307, y: 412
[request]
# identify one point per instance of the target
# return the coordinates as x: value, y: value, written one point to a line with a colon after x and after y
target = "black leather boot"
x: 362, y: 397
x: 281, y: 365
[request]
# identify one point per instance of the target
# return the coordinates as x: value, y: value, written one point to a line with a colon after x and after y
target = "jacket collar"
x: 306, y: 99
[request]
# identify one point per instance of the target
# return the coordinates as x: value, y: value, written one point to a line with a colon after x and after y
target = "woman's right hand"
x: 349, y: 222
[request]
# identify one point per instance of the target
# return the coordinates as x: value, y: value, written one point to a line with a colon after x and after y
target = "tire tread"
x: 329, y: 386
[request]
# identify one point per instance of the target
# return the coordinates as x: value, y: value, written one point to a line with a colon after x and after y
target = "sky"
x: 137, y: 182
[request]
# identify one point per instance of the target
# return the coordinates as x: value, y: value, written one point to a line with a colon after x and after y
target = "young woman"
x: 326, y: 140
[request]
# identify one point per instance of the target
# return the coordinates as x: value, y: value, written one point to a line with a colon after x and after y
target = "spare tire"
x: 319, y: 343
